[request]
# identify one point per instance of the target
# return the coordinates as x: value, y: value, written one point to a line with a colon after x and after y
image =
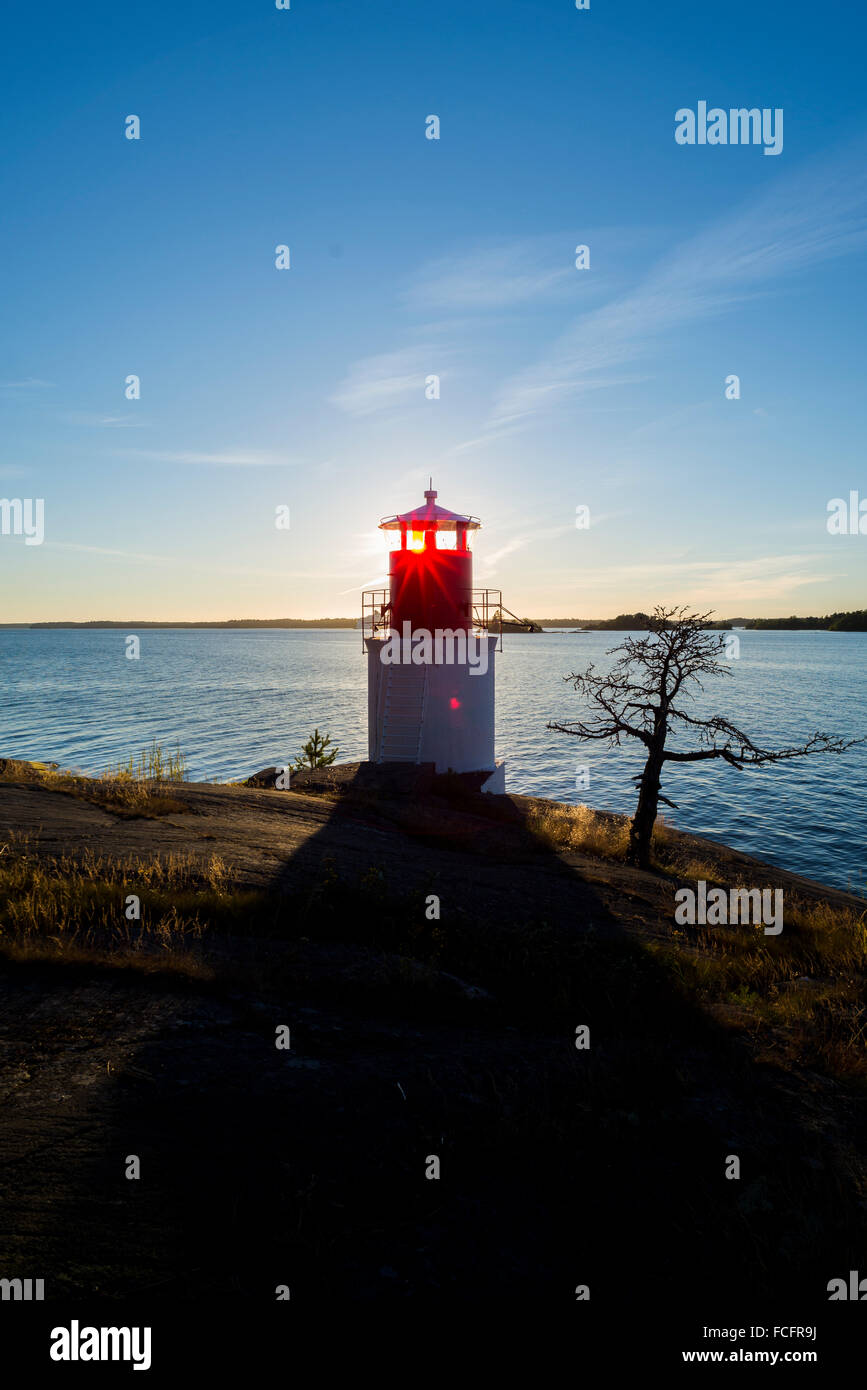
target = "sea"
x: 237, y: 700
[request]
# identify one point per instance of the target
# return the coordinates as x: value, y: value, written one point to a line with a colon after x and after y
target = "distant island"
x: 855, y: 621
x: 132, y: 625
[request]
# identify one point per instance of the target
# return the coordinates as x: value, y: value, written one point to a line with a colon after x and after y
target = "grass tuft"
x: 580, y: 828
x: 134, y: 788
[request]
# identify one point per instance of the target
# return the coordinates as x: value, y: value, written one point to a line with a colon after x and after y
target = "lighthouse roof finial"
x: 430, y: 515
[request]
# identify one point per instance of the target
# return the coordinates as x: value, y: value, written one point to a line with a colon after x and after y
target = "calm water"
x: 240, y: 700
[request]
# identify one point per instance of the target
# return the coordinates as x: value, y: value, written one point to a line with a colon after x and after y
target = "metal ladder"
x: 403, y: 714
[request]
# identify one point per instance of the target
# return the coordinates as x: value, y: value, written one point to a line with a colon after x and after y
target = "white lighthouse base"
x: 496, y: 783
x: 433, y: 713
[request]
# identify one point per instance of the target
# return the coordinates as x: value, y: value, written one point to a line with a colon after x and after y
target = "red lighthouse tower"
x: 431, y: 585
x: 430, y: 648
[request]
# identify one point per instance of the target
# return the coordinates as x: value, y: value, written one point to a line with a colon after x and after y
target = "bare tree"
x: 637, y: 699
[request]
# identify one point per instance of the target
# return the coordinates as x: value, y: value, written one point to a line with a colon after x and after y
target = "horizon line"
x: 353, y: 620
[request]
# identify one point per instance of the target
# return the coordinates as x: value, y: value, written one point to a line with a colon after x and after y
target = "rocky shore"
x: 433, y: 954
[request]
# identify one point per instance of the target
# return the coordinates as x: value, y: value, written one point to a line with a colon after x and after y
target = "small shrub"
x: 315, y: 752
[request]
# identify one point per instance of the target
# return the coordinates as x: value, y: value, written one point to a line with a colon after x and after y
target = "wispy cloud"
x: 28, y: 383
x: 494, y: 277
x: 242, y: 458
x: 814, y: 216
x: 387, y: 380
x: 111, y: 422
x: 380, y: 581
x: 144, y: 557
x: 709, y: 581
x: 526, y: 537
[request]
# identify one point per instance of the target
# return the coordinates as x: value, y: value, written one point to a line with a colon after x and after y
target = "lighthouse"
x: 431, y: 649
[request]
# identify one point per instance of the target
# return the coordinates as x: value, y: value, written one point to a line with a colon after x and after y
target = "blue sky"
x: 410, y: 257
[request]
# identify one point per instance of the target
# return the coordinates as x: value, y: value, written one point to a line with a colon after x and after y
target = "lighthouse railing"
x: 486, y: 607
x: 375, y: 613
x: 488, y: 612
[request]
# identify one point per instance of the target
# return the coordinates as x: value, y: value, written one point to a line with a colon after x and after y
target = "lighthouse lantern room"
x: 430, y: 640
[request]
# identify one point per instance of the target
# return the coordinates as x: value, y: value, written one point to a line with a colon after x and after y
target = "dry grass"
x: 580, y: 828
x: 604, y: 835
x: 803, y: 993
x: 153, y: 765
x: 134, y: 788
x: 75, y: 909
